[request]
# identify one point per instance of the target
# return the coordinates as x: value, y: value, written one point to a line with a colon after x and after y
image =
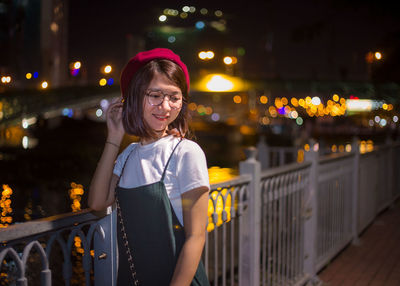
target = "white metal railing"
x: 273, y: 227
x: 282, y: 215
x: 70, y: 236
x: 379, y: 183
x: 97, y: 239
x: 228, y: 202
x: 367, y: 204
x: 382, y: 159
x: 334, y: 206
x: 274, y: 156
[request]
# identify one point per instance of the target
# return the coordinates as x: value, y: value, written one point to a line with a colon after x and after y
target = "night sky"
x: 282, y: 39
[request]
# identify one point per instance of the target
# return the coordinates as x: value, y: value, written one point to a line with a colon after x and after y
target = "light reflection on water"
x: 12, y: 136
x: 218, y: 174
x: 5, y: 207
x: 40, y: 162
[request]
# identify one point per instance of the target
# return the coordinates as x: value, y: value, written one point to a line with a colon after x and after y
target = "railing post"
x: 355, y: 149
x: 250, y: 232
x: 282, y: 156
x: 311, y: 213
x: 263, y: 153
x: 105, y: 249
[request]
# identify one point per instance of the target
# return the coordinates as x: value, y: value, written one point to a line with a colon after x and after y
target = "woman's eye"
x: 155, y: 95
x: 175, y: 98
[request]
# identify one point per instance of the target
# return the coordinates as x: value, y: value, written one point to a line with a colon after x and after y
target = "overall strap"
x: 123, y: 166
x: 169, y: 159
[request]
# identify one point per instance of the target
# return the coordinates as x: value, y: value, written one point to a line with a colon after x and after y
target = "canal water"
x: 48, y: 166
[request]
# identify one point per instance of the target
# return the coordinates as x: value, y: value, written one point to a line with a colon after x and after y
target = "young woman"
x: 160, y: 185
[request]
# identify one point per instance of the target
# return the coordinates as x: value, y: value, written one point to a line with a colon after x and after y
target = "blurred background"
x: 276, y: 73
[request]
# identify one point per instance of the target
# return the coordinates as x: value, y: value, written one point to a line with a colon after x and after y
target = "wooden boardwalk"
x: 375, y: 261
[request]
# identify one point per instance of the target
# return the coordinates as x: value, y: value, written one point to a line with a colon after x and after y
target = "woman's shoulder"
x: 122, y: 157
x: 128, y: 149
x: 188, y: 146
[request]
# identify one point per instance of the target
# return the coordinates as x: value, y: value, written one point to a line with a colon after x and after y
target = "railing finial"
x: 250, y: 153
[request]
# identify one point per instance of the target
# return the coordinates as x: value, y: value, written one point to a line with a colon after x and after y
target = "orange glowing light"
x: 237, y: 99
x: 263, y: 99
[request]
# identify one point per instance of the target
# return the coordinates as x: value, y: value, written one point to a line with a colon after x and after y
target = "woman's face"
x: 158, y: 117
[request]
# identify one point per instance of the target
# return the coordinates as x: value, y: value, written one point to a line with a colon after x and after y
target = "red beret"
x: 143, y: 58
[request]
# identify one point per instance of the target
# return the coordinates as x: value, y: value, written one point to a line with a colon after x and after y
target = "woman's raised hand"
x: 114, y: 121
x: 101, y: 191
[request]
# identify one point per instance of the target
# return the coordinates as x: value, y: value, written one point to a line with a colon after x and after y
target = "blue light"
x: 200, y: 25
x: 75, y: 72
x: 68, y: 112
x: 171, y: 39
x: 35, y: 74
x: 110, y: 81
x: 215, y: 117
x: 281, y: 110
x: 104, y: 103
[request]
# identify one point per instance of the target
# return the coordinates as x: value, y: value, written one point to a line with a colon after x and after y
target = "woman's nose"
x: 165, y: 103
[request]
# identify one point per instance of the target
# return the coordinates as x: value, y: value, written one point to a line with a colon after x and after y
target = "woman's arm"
x: 194, y: 205
x: 102, y: 186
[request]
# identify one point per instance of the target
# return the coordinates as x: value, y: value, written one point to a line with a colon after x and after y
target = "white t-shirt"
x: 186, y: 170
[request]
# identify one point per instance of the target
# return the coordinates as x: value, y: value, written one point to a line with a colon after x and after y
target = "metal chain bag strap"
x: 124, y: 235
x: 128, y: 250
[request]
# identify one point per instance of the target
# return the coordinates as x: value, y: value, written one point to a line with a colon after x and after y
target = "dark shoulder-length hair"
x: 132, y: 110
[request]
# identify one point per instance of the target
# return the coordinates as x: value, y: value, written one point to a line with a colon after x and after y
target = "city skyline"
x: 278, y: 40
x: 281, y: 39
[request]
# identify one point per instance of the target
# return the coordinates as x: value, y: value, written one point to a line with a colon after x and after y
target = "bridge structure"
x: 268, y: 226
x: 22, y: 105
x: 17, y: 105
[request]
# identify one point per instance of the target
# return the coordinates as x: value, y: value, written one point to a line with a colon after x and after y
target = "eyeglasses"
x: 156, y: 98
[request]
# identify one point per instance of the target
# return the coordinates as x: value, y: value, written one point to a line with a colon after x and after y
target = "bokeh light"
x: 218, y: 13
x: 107, y: 69
x: 228, y: 60
x: 203, y: 11
x: 110, y: 81
x: 77, y: 65
x: 102, y: 82
x: 200, y: 25
x: 171, y: 39
x: 263, y: 99
x: 237, y: 99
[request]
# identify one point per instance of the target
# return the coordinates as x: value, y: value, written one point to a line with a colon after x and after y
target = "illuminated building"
x: 53, y: 40
x: 36, y: 37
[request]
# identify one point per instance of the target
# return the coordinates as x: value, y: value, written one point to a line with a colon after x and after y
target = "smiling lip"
x: 160, y: 117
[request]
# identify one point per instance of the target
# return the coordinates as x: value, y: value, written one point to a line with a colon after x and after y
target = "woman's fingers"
x: 116, y: 99
x: 116, y: 104
x: 115, y: 108
x: 114, y: 120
